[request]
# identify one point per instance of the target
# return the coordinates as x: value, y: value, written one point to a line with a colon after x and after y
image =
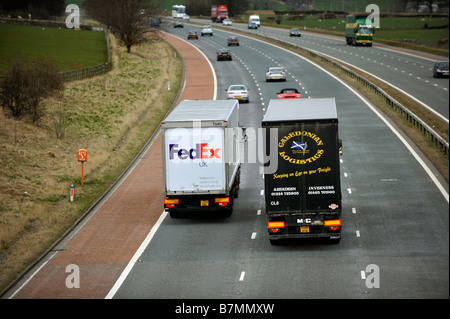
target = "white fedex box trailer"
x: 201, y: 156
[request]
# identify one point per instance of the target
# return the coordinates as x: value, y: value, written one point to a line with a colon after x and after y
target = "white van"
x: 254, y: 19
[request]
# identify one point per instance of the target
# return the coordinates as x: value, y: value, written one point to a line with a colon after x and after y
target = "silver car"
x: 275, y: 74
x: 207, y: 29
x: 239, y: 92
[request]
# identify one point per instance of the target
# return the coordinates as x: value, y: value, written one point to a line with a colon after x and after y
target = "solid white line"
x: 31, y: 277
x: 409, y: 147
x: 135, y: 257
x: 241, y: 278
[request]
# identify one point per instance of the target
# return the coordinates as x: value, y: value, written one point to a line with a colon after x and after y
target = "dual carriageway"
x: 395, y: 205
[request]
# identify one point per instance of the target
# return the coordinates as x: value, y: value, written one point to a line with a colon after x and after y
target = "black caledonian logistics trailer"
x: 303, y: 191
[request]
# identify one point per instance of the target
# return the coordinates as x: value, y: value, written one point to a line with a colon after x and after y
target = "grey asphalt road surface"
x: 395, y: 218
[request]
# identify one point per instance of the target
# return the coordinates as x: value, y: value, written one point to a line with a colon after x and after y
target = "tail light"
x: 222, y: 201
x: 276, y: 224
x: 333, y: 224
x: 275, y: 227
x: 171, y: 202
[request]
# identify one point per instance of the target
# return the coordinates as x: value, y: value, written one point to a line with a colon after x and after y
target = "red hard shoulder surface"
x: 106, y: 243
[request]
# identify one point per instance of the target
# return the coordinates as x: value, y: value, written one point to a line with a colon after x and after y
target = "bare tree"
x: 125, y: 18
x: 25, y: 86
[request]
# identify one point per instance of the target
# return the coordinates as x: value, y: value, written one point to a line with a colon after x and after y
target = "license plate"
x: 204, y: 203
x: 237, y: 97
x: 304, y: 229
x: 276, y: 77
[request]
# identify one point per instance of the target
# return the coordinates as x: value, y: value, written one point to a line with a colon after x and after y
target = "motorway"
x: 395, y: 214
x: 406, y: 70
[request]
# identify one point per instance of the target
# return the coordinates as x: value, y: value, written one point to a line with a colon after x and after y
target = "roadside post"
x: 82, y: 157
x: 71, y: 192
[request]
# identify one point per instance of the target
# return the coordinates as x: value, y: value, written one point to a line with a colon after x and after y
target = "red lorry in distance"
x: 219, y: 12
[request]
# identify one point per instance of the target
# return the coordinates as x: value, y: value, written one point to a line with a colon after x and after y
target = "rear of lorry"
x: 201, y: 163
x: 303, y: 195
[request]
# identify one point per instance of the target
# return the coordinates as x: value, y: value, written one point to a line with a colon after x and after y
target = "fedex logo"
x: 201, y: 151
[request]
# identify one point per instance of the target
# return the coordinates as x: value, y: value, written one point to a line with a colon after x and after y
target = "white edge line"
x: 413, y: 152
x: 409, y: 147
x: 155, y: 227
x: 31, y: 277
x: 393, y: 86
x: 136, y: 256
x: 206, y: 58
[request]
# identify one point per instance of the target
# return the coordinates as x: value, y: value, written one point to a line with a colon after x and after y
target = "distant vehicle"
x: 357, y: 32
x: 252, y: 25
x: 219, y: 12
x: 295, y: 32
x: 192, y: 35
x: 440, y: 69
x: 289, y: 94
x: 254, y: 19
x: 238, y: 92
x: 224, y: 54
x: 178, y: 11
x: 227, y: 22
x: 233, y: 40
x: 207, y: 29
x: 178, y: 24
x: 186, y: 17
x: 275, y: 73
x: 156, y: 22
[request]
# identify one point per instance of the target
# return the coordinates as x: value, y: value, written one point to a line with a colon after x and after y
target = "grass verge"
x: 112, y: 116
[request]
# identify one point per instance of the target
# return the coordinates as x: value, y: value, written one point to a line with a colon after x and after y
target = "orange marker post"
x: 82, y: 157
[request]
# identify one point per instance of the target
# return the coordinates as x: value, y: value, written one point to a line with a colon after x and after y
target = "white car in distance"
x: 238, y: 92
x: 207, y: 29
x: 275, y: 74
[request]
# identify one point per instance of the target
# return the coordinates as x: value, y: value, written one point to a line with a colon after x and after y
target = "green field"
x: 69, y: 49
x: 413, y: 30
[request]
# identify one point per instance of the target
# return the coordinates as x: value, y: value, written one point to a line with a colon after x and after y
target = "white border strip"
x: 400, y: 137
x: 135, y: 257
x: 155, y: 227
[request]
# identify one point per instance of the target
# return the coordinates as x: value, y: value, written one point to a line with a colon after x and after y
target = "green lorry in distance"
x: 357, y: 31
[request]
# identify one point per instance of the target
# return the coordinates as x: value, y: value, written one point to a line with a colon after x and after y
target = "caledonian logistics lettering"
x: 310, y: 135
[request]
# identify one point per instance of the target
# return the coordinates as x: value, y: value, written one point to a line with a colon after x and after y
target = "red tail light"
x: 171, y: 202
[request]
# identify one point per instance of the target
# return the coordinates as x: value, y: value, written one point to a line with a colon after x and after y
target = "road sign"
x: 82, y: 155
